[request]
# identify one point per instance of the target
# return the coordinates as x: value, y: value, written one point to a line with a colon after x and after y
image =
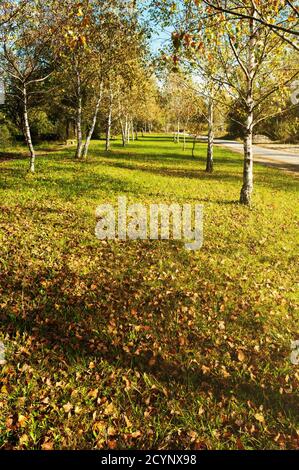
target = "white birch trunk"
x: 28, y: 131
x: 93, y: 124
x: 127, y: 130
x: 109, y: 122
x: 247, y: 188
x: 79, y: 117
x: 123, y: 132
x: 210, y: 149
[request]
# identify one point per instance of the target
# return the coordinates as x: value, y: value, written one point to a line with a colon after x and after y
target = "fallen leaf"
x: 259, y: 417
x: 49, y: 445
x: 24, y: 439
x: 241, y: 356
x: 68, y: 407
x: 112, y: 444
x: 109, y: 409
x: 111, y: 431
x: 128, y: 422
x: 239, y: 444
x: 99, y: 427
x: 93, y: 393
x: 22, y: 421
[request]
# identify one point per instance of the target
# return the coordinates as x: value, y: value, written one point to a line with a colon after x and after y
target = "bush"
x: 8, y: 131
x: 5, y: 135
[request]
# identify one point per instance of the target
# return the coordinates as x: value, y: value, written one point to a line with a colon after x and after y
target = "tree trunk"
x: 178, y: 137
x: 123, y: 132
x: 210, y: 157
x: 122, y: 127
x: 28, y: 132
x: 93, y: 124
x: 67, y: 129
x: 184, y: 141
x: 79, y: 116
x: 193, y: 147
x: 109, y: 122
x: 247, y: 188
x: 127, y: 130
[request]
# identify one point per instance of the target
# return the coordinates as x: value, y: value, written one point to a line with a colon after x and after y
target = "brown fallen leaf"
x: 241, y: 356
x: 259, y: 417
x: 112, y: 444
x: 22, y: 420
x: 99, y: 427
x: 240, y: 444
x: 68, y: 407
x: 110, y: 410
x: 93, y: 393
x: 152, y: 361
x: 49, y: 445
x: 111, y: 431
x: 128, y: 422
x: 24, y: 439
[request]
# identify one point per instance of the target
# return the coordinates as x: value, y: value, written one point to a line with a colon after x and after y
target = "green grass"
x: 143, y: 344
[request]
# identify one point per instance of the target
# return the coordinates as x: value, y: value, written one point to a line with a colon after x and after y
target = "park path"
x: 277, y: 158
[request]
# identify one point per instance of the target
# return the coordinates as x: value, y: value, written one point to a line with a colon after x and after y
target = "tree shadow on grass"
x: 264, y: 177
x: 175, y: 172
x: 69, y: 186
x: 100, y: 322
x: 6, y: 156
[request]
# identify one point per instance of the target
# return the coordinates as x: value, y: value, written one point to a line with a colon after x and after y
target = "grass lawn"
x: 144, y: 344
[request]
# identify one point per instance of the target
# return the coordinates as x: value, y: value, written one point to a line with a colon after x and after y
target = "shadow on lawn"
x: 175, y: 172
x: 87, y: 183
x: 69, y: 186
x: 100, y: 323
x: 162, y: 157
x: 6, y: 156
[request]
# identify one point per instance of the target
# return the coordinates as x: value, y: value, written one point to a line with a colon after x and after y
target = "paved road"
x: 277, y: 158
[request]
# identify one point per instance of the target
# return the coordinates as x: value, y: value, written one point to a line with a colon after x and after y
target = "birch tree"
x: 253, y: 64
x: 279, y: 16
x: 25, y: 59
x: 258, y: 71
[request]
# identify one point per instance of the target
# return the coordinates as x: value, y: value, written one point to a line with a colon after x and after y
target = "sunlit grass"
x: 144, y: 344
